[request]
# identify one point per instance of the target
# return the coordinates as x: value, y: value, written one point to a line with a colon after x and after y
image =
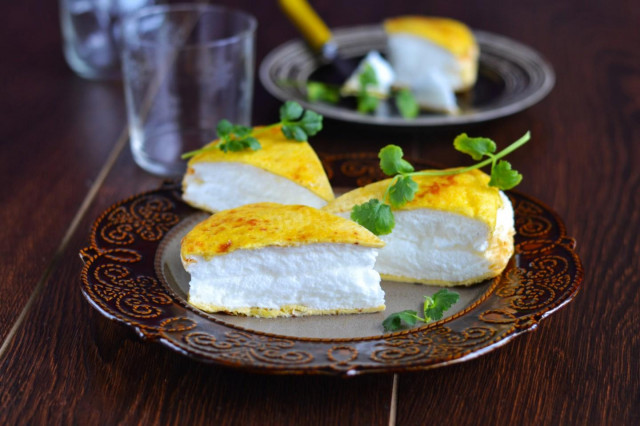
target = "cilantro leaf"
x: 236, y: 145
x: 367, y: 103
x: 435, y: 306
x: 290, y: 111
x: 307, y: 123
x: 224, y: 128
x: 402, y: 191
x: 317, y: 91
x: 367, y: 77
x: 295, y: 122
x: 294, y: 132
x: 406, y: 104
x: 241, y: 131
x: 311, y: 122
x: 503, y: 176
x: 399, y: 320
x: 391, y: 161
x: 375, y: 216
x: 475, y: 147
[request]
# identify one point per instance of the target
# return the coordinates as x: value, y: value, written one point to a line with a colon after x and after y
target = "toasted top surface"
x: 467, y: 193
x: 254, y: 226
x: 447, y: 33
x: 290, y: 159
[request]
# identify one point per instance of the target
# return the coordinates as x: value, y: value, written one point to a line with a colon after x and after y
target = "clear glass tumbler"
x: 185, y: 67
x: 92, y: 34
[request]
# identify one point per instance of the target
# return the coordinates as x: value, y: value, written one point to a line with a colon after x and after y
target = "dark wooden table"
x: 65, y: 158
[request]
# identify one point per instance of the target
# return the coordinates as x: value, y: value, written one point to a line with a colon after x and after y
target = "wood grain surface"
x: 63, y: 363
x: 55, y: 131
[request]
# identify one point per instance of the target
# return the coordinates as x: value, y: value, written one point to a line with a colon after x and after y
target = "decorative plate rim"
x: 505, y: 48
x: 119, y: 279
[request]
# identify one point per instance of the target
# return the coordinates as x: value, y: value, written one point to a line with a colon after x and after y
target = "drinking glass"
x: 92, y: 33
x: 185, y: 67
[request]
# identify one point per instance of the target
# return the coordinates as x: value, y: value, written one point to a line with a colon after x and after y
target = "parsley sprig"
x: 433, y: 309
x: 377, y: 216
x: 296, y: 124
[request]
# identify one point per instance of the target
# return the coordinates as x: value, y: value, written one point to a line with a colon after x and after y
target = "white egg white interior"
x: 430, y: 71
x: 217, y: 186
x: 318, y: 276
x: 429, y: 245
x: 384, y: 75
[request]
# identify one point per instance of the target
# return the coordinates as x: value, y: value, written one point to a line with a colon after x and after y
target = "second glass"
x: 185, y: 67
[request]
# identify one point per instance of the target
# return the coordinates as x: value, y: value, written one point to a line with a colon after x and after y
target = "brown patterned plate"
x: 132, y: 274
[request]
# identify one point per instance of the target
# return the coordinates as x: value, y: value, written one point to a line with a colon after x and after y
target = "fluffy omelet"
x: 434, y: 57
x: 270, y: 260
x: 282, y: 171
x: 458, y: 230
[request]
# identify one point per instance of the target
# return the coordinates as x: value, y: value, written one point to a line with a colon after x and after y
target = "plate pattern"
x: 119, y: 279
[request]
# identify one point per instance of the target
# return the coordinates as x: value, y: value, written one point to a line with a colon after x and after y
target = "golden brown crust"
x: 467, y: 194
x: 260, y: 225
x: 296, y: 161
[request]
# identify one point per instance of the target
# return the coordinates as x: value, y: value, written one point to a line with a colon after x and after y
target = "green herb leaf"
x: 407, y: 104
x: 367, y: 77
x: 307, y: 125
x: 311, y: 122
x: 475, y: 147
x: 367, y: 103
x: 400, y: 320
x: 295, y: 122
x: 236, y: 145
x: 391, y: 161
x: 241, y: 131
x: 503, y: 177
x: 402, y: 191
x: 317, y: 91
x: 375, y: 216
x: 253, y: 143
x: 294, y: 132
x: 435, y: 306
x: 291, y: 111
x: 224, y: 128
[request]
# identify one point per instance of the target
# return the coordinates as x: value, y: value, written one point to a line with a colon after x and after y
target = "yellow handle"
x: 312, y: 28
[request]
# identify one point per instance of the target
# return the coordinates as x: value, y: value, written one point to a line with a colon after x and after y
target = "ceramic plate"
x: 511, y: 77
x: 132, y: 273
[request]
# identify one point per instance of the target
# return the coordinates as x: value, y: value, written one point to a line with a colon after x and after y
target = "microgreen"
x: 402, y: 188
x: 391, y: 161
x: 407, y: 104
x: 366, y: 101
x: 317, y: 91
x: 433, y: 309
x: 374, y: 215
x: 296, y: 124
x: 235, y: 137
x: 402, y: 191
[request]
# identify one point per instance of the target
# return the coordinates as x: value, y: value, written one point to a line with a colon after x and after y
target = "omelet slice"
x: 383, y: 72
x: 282, y: 171
x: 434, y: 57
x: 271, y: 260
x: 458, y: 230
